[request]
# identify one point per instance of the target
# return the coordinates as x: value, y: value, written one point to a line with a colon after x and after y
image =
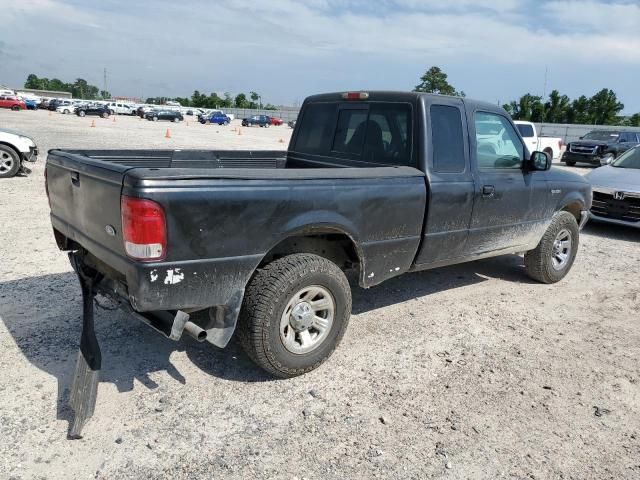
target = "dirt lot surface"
x: 471, y: 371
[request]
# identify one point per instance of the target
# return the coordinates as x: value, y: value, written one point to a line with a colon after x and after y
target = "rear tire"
x: 105, y: 115
x: 176, y: 120
x: 552, y: 259
x: 9, y: 162
x: 15, y: 108
x: 81, y: 113
x: 285, y: 291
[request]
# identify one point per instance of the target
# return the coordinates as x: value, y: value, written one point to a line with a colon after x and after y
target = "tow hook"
x: 84, y: 389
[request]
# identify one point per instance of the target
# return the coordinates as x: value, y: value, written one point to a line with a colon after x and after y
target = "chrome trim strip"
x: 610, y: 191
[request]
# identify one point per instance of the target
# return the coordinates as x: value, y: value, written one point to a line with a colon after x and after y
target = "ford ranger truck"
x: 374, y: 183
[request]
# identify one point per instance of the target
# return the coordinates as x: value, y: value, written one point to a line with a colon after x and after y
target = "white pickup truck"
x: 549, y: 145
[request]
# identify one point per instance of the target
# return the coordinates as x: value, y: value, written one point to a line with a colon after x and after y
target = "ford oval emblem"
x: 110, y: 230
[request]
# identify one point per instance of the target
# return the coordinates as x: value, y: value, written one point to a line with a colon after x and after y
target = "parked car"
x: 119, y: 108
x: 93, y: 109
x: 549, y: 145
x: 215, y: 117
x: 15, y: 149
x: 264, y: 240
x: 12, y: 102
x: 260, y: 120
x: 31, y: 104
x: 616, y: 190
x: 600, y: 147
x: 67, y: 108
x: 164, y: 114
x: 275, y: 121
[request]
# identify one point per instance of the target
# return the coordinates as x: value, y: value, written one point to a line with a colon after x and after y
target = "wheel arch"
x: 14, y: 148
x: 331, y: 241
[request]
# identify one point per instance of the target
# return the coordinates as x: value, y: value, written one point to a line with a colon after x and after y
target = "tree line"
x: 603, y: 108
x: 213, y: 100
x: 78, y: 89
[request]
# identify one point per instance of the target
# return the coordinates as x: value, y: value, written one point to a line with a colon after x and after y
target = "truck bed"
x: 225, y: 211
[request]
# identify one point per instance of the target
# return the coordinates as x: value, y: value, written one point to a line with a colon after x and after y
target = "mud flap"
x: 84, y: 389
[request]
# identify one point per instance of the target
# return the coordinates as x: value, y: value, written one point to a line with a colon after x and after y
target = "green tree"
x: 633, y: 120
x: 227, y: 101
x: 556, y: 108
x: 435, y: 80
x: 604, y: 107
x: 578, y: 112
x: 34, y: 82
x: 104, y: 94
x: 528, y: 107
x: 241, y: 101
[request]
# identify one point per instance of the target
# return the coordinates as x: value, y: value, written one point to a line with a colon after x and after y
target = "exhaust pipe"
x: 194, y: 331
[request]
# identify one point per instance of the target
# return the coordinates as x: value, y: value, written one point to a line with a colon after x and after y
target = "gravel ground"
x: 470, y: 371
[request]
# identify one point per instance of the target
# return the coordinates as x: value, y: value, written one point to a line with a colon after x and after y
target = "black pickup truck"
x: 600, y: 147
x: 377, y: 183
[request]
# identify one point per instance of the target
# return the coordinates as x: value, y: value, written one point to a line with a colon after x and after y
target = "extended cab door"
x: 509, y: 205
x: 450, y: 182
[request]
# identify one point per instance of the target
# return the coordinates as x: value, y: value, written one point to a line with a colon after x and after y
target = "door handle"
x: 75, y: 179
x: 488, y: 191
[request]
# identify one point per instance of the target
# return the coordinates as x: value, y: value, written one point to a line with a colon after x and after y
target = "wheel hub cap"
x: 301, y: 316
x: 307, y: 319
x: 561, y: 249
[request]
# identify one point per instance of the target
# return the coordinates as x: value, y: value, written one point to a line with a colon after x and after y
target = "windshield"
x: 602, y: 136
x: 630, y: 159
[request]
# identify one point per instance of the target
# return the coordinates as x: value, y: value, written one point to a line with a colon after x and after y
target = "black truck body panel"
x: 227, y: 210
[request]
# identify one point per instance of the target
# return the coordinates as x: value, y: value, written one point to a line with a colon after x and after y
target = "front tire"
x: 295, y: 312
x: 552, y: 259
x: 9, y: 162
x: 81, y: 113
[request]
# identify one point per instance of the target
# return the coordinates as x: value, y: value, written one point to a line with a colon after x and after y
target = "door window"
x: 497, y: 143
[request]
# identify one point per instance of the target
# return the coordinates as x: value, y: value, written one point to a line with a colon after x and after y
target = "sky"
x: 494, y: 50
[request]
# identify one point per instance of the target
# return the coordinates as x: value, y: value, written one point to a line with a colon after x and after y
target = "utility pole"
x: 105, y: 79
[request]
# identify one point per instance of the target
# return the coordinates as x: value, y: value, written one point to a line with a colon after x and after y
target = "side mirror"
x: 539, y: 161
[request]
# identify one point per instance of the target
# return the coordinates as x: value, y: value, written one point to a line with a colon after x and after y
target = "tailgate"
x: 85, y: 201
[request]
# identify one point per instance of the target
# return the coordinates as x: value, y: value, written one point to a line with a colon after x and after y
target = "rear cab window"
x: 525, y: 130
x: 377, y: 133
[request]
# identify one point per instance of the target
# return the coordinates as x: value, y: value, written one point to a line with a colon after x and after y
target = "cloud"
x: 289, y: 48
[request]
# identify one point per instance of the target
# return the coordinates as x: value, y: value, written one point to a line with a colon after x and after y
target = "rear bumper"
x: 167, y: 285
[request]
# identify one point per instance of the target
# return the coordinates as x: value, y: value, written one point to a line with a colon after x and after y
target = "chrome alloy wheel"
x: 307, y: 319
x: 6, y: 162
x: 561, y: 249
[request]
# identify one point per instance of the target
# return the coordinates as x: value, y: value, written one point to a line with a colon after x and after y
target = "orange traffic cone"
x: 93, y: 124
x: 168, y: 134
x: 187, y: 123
x: 49, y: 112
x: 114, y: 118
x: 239, y: 132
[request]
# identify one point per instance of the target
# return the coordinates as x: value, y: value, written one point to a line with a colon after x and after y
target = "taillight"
x: 144, y: 229
x: 355, y: 95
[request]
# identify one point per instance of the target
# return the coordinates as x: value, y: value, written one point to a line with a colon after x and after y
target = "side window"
x: 350, y: 132
x: 315, y: 127
x: 447, y: 139
x: 497, y: 144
